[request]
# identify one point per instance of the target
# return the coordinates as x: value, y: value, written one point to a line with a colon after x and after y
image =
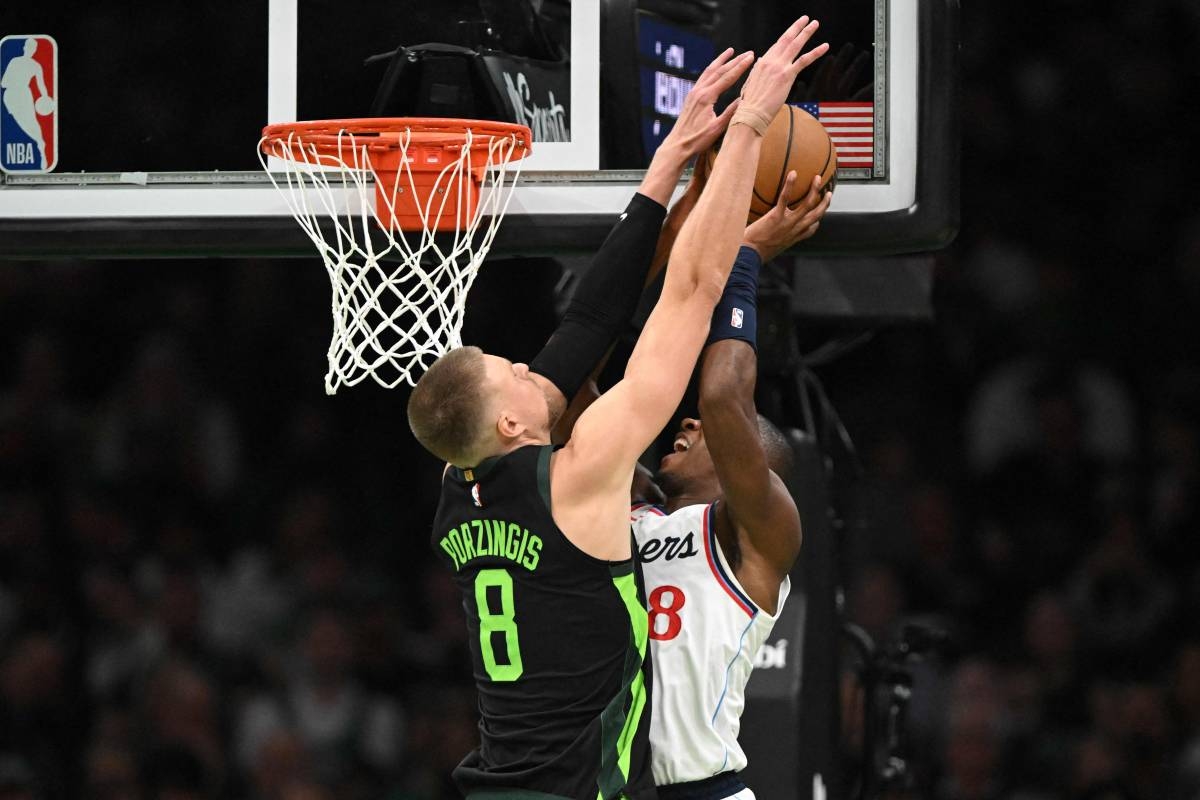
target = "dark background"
x: 215, y: 581
x: 174, y: 86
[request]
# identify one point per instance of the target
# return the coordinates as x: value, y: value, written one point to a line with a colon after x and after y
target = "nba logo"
x: 29, y: 104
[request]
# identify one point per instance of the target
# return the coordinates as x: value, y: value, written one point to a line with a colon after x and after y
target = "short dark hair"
x: 446, y: 407
x: 780, y: 457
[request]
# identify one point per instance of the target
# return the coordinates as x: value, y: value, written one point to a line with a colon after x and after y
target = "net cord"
x: 398, y: 306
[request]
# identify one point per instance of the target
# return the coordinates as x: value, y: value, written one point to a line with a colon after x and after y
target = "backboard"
x: 158, y: 110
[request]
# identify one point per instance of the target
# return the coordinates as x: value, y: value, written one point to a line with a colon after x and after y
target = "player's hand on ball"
x: 782, y: 227
x: 771, y: 80
x: 699, y: 125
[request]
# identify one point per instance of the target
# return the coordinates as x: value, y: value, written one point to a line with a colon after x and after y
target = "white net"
x: 398, y: 298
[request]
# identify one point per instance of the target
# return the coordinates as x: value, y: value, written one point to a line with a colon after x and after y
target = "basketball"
x: 795, y: 140
x: 44, y: 105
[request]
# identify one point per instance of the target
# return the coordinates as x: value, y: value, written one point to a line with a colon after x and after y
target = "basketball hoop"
x: 389, y: 186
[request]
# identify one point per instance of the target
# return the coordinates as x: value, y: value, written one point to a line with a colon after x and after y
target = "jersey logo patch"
x: 475, y: 496
x: 736, y: 320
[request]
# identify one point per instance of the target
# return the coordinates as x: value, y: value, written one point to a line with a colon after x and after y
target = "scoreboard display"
x: 670, y: 59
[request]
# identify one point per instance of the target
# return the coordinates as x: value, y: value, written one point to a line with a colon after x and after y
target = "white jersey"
x: 704, y: 635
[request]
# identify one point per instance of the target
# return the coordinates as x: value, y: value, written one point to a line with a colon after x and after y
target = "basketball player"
x: 716, y: 558
x: 716, y: 553
x: 538, y: 540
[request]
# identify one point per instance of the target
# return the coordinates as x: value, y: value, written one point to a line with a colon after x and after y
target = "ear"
x: 508, y: 427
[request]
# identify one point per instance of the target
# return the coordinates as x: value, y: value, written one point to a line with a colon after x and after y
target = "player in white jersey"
x: 717, y: 553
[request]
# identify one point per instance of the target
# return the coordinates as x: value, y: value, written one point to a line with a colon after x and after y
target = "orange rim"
x: 386, y: 133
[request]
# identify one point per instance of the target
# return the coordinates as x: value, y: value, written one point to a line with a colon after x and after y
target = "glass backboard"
x: 158, y: 110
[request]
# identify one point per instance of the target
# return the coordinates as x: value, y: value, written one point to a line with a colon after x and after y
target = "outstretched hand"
x: 699, y: 125
x: 782, y: 226
x: 771, y: 80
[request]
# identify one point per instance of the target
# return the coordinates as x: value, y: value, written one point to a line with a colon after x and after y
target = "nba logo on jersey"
x: 29, y: 104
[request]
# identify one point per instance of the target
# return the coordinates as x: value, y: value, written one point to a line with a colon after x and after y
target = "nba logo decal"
x: 28, y: 104
x: 475, y: 496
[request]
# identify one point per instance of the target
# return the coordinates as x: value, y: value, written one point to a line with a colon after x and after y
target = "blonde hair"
x: 446, y: 410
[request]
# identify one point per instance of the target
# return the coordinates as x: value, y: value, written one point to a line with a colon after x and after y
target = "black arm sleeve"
x: 604, y: 300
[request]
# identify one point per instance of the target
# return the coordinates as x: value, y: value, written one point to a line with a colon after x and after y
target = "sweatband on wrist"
x: 736, y: 315
x: 605, y: 299
x: 752, y: 118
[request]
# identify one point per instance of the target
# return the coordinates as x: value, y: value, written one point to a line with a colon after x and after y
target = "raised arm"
x: 608, y: 294
x: 757, y: 515
x: 697, y: 127
x: 595, y: 469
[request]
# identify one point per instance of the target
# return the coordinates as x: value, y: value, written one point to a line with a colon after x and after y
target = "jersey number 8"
x: 502, y: 622
x: 665, y: 602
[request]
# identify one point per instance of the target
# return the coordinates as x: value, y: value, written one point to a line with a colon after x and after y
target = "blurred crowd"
x: 215, y: 581
x: 1033, y: 458
x: 212, y: 579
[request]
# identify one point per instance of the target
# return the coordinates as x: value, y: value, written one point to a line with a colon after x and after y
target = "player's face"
x: 516, y: 390
x: 689, y: 458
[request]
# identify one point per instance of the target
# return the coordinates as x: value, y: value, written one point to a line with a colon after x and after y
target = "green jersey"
x: 557, y: 637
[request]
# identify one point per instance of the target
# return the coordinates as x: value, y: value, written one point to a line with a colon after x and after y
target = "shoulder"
x: 641, y: 510
x: 646, y: 519
x: 655, y: 515
x: 649, y: 520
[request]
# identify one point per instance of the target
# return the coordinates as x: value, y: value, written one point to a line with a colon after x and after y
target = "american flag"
x: 851, y: 126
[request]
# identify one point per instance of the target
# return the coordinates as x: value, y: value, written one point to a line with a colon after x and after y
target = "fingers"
x: 803, y: 61
x: 792, y: 48
x: 815, y: 214
x: 715, y: 68
x: 812, y: 198
x: 809, y: 211
x: 723, y: 121
x: 725, y: 69
x: 786, y: 192
x: 783, y: 225
x: 730, y: 72
x: 808, y: 224
x: 790, y: 34
x: 798, y: 208
x: 721, y: 58
x: 793, y: 41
